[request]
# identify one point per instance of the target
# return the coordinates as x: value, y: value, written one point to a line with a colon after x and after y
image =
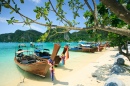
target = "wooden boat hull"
x: 76, y: 49
x: 83, y: 49
x: 39, y: 68
x: 91, y: 50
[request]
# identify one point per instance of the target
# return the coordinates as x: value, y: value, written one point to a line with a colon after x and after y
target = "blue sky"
x: 27, y: 10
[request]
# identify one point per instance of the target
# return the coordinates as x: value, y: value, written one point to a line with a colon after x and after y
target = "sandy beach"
x: 78, y: 71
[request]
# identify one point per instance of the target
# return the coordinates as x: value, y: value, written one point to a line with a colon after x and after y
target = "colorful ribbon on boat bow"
x: 63, y: 59
x: 65, y: 54
x: 51, y: 63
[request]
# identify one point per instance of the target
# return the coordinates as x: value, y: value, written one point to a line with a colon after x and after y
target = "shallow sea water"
x: 9, y: 71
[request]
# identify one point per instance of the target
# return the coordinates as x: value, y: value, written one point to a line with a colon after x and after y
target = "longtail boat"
x: 32, y: 64
x: 84, y: 46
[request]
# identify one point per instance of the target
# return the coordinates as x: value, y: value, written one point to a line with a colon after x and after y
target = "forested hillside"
x: 21, y: 36
x: 34, y: 36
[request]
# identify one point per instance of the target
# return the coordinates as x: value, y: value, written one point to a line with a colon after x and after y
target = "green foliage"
x: 108, y: 18
x: 38, y: 11
x: 102, y: 10
x: 6, y: 5
x: 128, y: 26
x: 75, y: 15
x: 22, y: 1
x: 27, y: 22
x: 90, y: 19
x: 128, y: 6
x: 59, y: 4
x: 43, y: 37
x: 74, y: 23
x: 104, y: 15
x: 116, y: 22
x: 42, y: 11
x: 11, y: 11
x: 16, y: 8
x: 75, y: 5
x: 12, y: 20
x: 87, y: 14
x: 126, y: 3
x: 117, y: 40
x: 0, y: 6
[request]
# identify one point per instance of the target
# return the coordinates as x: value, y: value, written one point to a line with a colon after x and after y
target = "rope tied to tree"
x: 66, y: 36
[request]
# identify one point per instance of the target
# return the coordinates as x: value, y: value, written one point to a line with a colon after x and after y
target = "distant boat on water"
x: 21, y: 45
x: 32, y: 44
x: 84, y: 46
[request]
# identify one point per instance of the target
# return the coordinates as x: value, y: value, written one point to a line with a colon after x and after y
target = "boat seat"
x: 31, y: 61
x: 24, y: 61
x: 20, y: 55
x: 46, y: 57
x: 46, y: 49
x: 31, y: 58
x: 45, y: 54
x: 27, y: 62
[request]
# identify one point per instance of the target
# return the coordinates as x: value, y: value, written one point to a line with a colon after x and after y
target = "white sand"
x: 77, y: 71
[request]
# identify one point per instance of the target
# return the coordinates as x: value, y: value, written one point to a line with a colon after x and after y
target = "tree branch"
x: 95, y: 12
x: 116, y: 30
x: 86, y: 2
x: 118, y: 9
x: 33, y: 21
x: 59, y: 15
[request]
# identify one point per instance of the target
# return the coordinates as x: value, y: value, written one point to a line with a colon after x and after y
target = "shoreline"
x: 77, y: 71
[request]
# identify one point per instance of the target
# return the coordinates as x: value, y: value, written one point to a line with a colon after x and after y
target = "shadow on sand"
x: 59, y: 82
x: 61, y: 66
x: 114, y: 49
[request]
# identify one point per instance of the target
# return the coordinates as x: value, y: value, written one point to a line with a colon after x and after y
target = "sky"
x: 27, y: 9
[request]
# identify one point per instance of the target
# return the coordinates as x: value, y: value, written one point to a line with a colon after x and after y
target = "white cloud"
x: 3, y: 20
x: 34, y: 27
x: 36, y: 1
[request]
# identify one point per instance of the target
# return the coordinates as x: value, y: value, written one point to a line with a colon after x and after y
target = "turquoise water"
x: 8, y: 69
